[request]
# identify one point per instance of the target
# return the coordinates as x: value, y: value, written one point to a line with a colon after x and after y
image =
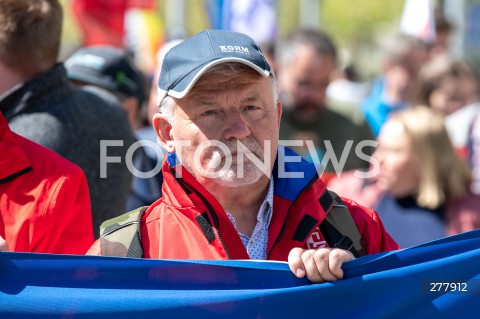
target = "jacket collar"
x: 285, y: 231
x: 13, y: 160
x: 29, y: 93
x: 291, y: 174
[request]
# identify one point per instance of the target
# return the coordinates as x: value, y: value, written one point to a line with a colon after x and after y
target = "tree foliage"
x: 353, y: 20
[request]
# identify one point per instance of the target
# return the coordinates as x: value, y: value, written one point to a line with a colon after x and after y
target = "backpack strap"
x: 121, y: 236
x: 339, y: 229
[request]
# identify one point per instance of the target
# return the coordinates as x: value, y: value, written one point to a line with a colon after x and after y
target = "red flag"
x: 143, y: 4
x: 101, y: 21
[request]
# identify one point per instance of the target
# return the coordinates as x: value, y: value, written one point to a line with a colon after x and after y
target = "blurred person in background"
x: 39, y: 103
x: 346, y: 92
x: 450, y: 87
x: 44, y: 200
x: 148, y: 133
x: 403, y: 57
x: 268, y: 49
x: 113, y: 70
x: 306, y: 61
x: 347, y: 87
x: 421, y: 190
x: 443, y: 34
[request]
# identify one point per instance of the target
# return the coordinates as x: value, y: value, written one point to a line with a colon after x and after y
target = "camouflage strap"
x: 121, y: 236
x: 340, y: 230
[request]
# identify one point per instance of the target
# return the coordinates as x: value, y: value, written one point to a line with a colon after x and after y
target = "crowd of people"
x: 198, y: 164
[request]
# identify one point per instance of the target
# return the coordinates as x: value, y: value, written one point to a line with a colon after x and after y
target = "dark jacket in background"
x: 72, y: 122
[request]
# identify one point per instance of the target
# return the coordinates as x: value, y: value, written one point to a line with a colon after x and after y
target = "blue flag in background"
x: 256, y: 18
x: 440, y: 279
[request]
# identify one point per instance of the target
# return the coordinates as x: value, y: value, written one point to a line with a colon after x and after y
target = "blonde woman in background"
x: 421, y: 191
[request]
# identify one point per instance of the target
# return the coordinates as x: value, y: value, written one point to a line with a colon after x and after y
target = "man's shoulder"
x: 336, y: 123
x: 130, y: 218
x: 140, y: 216
x: 336, y: 117
x: 351, y: 111
x: 44, y: 128
x: 103, y: 109
x: 45, y: 160
x: 102, y: 96
x: 43, y: 163
x: 123, y: 236
x: 374, y: 235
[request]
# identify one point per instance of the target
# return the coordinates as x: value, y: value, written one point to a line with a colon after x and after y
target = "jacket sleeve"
x: 374, y: 235
x: 48, y: 130
x: 67, y: 219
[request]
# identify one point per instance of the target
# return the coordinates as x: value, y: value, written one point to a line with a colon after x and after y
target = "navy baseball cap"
x: 108, y: 67
x: 186, y: 62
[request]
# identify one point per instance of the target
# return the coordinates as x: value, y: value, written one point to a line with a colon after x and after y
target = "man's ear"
x: 164, y: 131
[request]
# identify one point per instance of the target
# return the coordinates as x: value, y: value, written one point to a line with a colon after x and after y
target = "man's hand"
x: 320, y: 265
x: 3, y: 244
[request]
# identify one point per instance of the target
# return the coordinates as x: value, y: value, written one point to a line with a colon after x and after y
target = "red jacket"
x: 189, y: 223
x: 44, y: 199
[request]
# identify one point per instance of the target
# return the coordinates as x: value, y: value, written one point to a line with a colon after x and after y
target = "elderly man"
x: 230, y: 191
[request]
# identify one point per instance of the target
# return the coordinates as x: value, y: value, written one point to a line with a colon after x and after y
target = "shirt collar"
x: 265, y: 212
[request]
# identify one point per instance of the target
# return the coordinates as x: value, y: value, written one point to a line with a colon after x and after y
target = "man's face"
x: 219, y: 112
x: 303, y: 83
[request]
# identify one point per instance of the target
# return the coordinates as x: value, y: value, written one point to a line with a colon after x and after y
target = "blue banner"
x: 440, y: 279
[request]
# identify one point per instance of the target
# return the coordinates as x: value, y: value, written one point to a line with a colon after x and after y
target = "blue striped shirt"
x: 256, y: 245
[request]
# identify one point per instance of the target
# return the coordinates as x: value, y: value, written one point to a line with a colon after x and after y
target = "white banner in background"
x: 256, y: 18
x: 418, y: 19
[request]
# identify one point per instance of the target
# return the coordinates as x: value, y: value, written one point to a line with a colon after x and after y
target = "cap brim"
x: 182, y: 88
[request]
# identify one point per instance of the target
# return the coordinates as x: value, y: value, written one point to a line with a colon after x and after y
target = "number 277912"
x: 448, y: 287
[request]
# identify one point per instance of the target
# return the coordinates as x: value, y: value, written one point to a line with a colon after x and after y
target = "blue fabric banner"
x: 440, y: 279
